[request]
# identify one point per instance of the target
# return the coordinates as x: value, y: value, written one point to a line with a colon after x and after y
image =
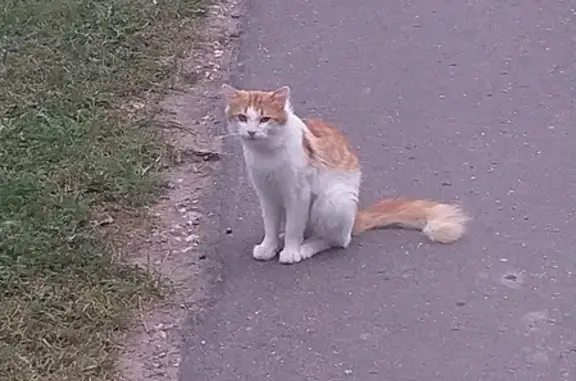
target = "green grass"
x: 66, y: 68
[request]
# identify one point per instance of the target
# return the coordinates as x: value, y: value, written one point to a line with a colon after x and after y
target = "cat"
x: 307, y: 179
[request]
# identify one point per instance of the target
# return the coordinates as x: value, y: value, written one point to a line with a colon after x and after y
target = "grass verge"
x: 66, y: 150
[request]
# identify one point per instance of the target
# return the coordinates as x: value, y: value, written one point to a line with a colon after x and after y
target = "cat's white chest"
x: 281, y: 174
x: 275, y: 174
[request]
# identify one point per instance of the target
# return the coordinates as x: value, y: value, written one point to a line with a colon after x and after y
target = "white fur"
x: 446, y: 223
x: 318, y: 203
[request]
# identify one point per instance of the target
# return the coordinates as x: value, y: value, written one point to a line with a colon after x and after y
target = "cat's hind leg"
x: 331, y: 220
x: 333, y: 215
x: 313, y: 246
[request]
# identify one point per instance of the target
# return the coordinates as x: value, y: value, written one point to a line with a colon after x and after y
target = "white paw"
x: 264, y: 251
x: 289, y: 256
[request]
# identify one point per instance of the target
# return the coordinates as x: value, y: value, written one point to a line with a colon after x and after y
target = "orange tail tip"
x: 443, y: 223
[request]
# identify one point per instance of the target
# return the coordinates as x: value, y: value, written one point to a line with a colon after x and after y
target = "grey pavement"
x: 472, y: 101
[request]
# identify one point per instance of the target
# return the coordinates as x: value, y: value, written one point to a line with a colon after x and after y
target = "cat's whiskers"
x: 225, y: 136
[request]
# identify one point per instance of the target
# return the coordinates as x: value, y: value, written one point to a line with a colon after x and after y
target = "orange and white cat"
x: 308, y: 181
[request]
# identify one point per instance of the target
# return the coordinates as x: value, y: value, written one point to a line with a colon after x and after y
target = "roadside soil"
x: 171, y: 240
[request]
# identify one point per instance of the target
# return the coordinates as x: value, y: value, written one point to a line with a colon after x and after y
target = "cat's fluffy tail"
x: 443, y: 223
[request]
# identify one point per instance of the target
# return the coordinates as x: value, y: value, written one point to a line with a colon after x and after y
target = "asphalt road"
x: 472, y: 101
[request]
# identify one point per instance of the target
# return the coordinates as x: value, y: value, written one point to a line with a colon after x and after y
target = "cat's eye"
x: 242, y: 118
x: 264, y: 119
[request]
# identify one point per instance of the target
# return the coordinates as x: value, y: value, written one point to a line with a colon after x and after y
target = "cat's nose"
x: 251, y: 134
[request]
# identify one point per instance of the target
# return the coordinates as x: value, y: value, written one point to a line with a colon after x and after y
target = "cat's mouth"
x: 252, y: 136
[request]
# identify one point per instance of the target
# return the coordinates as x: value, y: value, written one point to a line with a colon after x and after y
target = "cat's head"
x: 256, y: 115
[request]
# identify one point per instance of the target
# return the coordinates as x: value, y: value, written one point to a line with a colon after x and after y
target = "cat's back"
x: 326, y: 147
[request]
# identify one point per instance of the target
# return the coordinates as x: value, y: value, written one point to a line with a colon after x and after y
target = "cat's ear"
x: 229, y: 92
x: 282, y: 94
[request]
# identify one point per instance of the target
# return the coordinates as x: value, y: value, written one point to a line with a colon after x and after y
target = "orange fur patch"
x: 267, y: 103
x: 328, y: 147
x: 393, y: 211
x: 441, y: 222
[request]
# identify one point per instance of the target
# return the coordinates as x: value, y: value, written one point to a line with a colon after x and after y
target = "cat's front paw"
x: 290, y: 256
x: 265, y: 251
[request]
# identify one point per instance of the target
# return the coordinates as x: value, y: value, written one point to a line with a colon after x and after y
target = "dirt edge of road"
x: 173, y: 240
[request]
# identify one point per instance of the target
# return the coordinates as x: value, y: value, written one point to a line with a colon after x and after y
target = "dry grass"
x: 66, y: 150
